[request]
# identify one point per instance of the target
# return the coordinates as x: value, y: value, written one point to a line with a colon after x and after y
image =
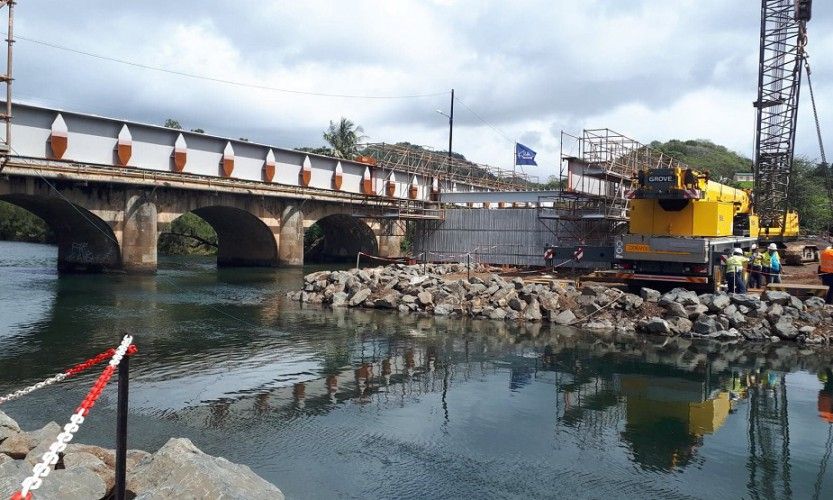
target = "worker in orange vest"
x: 826, y: 272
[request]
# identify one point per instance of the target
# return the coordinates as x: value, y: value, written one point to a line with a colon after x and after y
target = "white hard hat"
x: 754, y: 246
x: 772, y: 247
x: 737, y: 251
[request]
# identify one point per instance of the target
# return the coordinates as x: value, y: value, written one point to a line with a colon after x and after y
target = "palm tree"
x: 344, y: 138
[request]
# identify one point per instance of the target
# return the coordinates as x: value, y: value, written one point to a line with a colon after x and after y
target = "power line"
x: 499, y: 131
x: 221, y: 80
x: 476, y: 115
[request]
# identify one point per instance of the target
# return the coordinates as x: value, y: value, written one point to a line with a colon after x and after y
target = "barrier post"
x: 468, y: 266
x: 121, y: 430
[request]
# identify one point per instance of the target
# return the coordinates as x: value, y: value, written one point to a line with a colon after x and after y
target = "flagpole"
x: 514, y: 162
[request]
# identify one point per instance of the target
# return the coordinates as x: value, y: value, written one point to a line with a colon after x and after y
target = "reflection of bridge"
x: 107, y: 187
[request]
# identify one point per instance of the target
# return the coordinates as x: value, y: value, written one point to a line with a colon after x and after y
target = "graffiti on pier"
x: 81, y: 253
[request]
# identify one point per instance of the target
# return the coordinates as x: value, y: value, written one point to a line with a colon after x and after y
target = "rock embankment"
x: 771, y: 316
x: 178, y: 470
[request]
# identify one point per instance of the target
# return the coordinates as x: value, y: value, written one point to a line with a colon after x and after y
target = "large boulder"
x: 565, y: 317
x: 73, y: 483
x: 694, y: 312
x: 497, y: 313
x: 704, y: 325
x: 517, y: 304
x: 675, y: 309
x: 599, y: 326
x: 339, y: 299
x: 443, y: 309
x: 746, y: 299
x: 776, y: 297
x: 7, y: 426
x: 719, y: 302
x: 657, y: 326
x: 359, y: 297
x: 20, y: 444
x: 814, y: 303
x: 785, y: 329
x: 680, y: 295
x: 649, y: 295
x: 388, y: 301
x: 180, y: 470
x: 629, y: 301
x: 533, y: 311
x: 549, y: 302
x: 775, y: 312
x: 12, y: 473
x: 679, y: 325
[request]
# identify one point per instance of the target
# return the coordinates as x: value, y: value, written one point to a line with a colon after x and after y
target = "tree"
x: 318, y: 151
x: 553, y: 184
x: 198, y: 130
x: 171, y: 123
x: 344, y: 138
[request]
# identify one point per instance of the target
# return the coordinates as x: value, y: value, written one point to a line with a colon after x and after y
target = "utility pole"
x: 7, y: 80
x: 450, y: 117
x: 450, y: 130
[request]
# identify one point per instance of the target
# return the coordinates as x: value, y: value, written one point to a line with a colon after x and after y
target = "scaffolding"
x: 446, y: 169
x: 601, y: 167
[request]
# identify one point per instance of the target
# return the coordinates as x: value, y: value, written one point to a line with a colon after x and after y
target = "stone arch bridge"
x: 107, y: 188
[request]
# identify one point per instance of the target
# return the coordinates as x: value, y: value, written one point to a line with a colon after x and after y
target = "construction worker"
x: 772, y: 264
x: 549, y: 256
x: 734, y: 271
x: 826, y: 271
x: 756, y: 267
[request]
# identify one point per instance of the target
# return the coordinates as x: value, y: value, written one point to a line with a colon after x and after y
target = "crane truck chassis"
x: 646, y: 260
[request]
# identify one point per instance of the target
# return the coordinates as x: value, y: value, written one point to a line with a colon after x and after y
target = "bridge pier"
x: 139, y: 234
x: 291, y: 238
x: 391, y: 234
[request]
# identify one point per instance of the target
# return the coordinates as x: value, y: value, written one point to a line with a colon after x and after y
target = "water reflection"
x: 361, y: 403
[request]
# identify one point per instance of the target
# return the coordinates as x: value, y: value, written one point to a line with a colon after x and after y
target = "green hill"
x: 703, y: 154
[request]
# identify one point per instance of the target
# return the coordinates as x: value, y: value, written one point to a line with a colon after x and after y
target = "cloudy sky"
x: 522, y: 70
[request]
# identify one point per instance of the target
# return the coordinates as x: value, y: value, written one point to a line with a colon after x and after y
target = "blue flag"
x: 524, y: 155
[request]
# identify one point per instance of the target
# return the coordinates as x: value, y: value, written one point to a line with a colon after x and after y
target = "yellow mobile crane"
x: 680, y: 225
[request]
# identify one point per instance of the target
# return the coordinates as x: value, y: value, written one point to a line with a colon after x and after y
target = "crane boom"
x: 783, y: 37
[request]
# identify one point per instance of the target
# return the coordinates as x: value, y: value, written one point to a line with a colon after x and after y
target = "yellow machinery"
x: 683, y: 202
x: 680, y: 226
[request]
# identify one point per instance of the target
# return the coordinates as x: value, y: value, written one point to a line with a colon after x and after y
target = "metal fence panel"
x: 513, y: 236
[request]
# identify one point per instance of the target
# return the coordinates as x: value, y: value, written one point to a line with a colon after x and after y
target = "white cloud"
x: 652, y: 70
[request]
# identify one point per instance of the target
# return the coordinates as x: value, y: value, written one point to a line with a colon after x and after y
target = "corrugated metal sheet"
x: 512, y: 236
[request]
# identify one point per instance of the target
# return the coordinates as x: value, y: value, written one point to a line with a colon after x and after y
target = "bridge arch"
x: 338, y: 237
x: 86, y: 243
x: 243, y: 239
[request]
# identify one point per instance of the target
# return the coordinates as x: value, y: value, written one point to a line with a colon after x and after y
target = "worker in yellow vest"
x: 826, y: 272
x: 756, y: 267
x: 734, y: 271
x: 772, y: 264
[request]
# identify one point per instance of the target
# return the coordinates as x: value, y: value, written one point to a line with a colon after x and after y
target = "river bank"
x: 438, y: 290
x: 178, y: 469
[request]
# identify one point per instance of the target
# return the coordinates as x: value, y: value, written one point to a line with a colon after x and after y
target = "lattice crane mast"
x: 782, y: 57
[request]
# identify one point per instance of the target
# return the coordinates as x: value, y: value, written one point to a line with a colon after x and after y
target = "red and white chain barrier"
x: 80, y: 367
x: 50, y: 458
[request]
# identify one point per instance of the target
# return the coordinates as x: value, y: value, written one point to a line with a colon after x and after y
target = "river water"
x: 359, y: 404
